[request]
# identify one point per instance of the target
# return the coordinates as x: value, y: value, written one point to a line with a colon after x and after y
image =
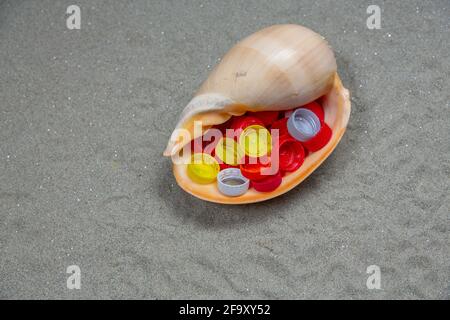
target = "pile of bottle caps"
x: 257, y: 149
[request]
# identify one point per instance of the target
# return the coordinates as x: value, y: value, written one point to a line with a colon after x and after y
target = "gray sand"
x: 85, y: 115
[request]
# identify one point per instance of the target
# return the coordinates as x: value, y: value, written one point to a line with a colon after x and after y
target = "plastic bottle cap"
x: 303, y: 124
x: 316, y: 108
x: 229, y: 152
x: 291, y: 154
x: 268, y: 184
x: 256, y: 141
x: 203, y: 168
x: 266, y: 117
x: 252, y: 169
x: 320, y: 139
x: 242, y: 122
x: 281, y: 125
x: 232, y: 183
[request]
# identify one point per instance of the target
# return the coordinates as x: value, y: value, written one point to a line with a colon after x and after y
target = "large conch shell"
x: 277, y: 68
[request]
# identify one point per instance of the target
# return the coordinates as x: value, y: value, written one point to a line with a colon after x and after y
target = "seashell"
x: 277, y: 68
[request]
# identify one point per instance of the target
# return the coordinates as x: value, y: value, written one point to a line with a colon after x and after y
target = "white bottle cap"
x: 303, y: 124
x: 232, y: 183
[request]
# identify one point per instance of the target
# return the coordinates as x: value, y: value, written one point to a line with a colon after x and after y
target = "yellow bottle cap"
x: 256, y: 141
x: 229, y: 151
x: 203, y: 168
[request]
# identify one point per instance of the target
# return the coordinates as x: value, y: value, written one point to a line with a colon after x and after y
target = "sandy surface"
x: 85, y: 116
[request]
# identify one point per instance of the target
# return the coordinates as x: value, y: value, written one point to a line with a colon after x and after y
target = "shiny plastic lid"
x: 203, y: 168
x: 320, y: 139
x: 281, y: 125
x: 253, y: 168
x: 268, y: 184
x: 242, y: 122
x: 291, y: 154
x: 232, y: 183
x: 229, y: 152
x: 303, y: 124
x: 256, y: 141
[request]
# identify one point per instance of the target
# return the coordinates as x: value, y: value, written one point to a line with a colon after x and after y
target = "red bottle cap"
x: 316, y: 108
x: 282, y: 126
x: 266, y: 117
x: 253, y: 169
x: 270, y: 183
x: 242, y: 122
x: 291, y: 153
x: 320, y: 139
